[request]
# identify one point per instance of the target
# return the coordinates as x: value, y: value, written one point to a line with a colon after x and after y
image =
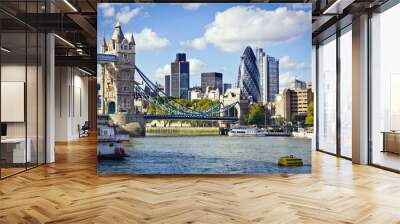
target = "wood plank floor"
x: 70, y: 191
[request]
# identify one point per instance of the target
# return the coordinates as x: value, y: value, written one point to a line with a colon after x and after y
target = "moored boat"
x: 110, y: 143
x: 111, y: 151
x: 244, y: 131
x: 303, y: 133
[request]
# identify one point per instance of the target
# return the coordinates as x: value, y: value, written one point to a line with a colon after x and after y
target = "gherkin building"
x: 249, y: 76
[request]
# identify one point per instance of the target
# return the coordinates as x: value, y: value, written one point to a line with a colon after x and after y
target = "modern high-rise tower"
x: 249, y: 76
x: 167, y: 86
x: 272, y: 78
x: 212, y: 80
x: 180, y: 77
x: 262, y: 68
x: 269, y: 76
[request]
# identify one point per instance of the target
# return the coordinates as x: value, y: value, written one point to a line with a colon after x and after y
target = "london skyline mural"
x: 204, y: 88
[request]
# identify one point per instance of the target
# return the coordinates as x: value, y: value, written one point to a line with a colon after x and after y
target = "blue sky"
x: 213, y: 36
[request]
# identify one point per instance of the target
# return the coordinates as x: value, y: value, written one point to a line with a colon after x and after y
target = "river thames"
x: 209, y: 155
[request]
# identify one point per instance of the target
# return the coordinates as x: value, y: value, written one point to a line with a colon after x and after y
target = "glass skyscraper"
x: 212, y: 80
x: 167, y: 86
x: 268, y: 68
x: 272, y: 78
x: 180, y: 77
x: 249, y: 76
x: 262, y: 68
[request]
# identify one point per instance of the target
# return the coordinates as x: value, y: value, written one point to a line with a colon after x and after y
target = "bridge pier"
x: 130, y: 123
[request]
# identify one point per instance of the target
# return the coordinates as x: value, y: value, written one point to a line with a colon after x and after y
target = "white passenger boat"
x: 246, y: 131
x: 302, y: 133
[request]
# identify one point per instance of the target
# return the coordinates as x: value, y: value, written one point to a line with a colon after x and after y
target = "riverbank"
x: 202, y: 131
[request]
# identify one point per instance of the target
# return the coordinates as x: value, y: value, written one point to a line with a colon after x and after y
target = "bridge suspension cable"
x: 170, y: 105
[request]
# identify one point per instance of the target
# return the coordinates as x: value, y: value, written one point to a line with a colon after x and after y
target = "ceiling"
x: 75, y: 21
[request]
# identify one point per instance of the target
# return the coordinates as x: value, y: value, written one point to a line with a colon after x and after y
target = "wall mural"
x: 204, y: 88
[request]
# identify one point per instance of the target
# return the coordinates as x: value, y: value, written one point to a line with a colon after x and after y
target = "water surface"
x: 209, y: 155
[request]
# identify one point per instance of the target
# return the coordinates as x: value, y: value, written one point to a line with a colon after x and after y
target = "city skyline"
x: 155, y: 37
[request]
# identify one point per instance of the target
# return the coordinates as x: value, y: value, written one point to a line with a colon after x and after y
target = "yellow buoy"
x: 290, y: 161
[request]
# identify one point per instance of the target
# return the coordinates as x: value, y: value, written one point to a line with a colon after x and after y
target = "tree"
x: 310, y: 115
x: 256, y: 115
x: 279, y: 120
x: 297, y: 118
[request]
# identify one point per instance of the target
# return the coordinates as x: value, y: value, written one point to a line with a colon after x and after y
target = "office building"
x: 298, y: 84
x: 212, y: 94
x: 212, y: 80
x: 272, y: 78
x: 167, y: 85
x: 293, y: 102
x: 196, y: 94
x: 248, y: 77
x: 180, y: 77
x: 268, y: 68
x: 227, y: 86
x: 262, y: 68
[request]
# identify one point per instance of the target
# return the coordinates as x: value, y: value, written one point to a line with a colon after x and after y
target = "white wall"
x: 71, y: 102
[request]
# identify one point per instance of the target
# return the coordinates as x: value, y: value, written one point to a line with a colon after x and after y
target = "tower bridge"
x: 118, y: 88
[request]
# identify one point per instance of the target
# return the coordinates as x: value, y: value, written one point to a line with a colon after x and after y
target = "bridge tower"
x: 118, y: 80
x: 241, y: 108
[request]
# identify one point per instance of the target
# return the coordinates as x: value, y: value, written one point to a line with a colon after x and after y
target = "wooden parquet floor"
x: 70, y: 191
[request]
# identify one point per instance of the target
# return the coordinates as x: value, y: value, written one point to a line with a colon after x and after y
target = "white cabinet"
x: 19, y: 155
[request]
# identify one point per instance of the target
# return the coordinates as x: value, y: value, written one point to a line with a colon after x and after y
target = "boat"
x: 244, y: 131
x: 107, y: 131
x: 290, y: 161
x: 111, y: 151
x: 110, y: 143
x: 277, y: 133
x: 303, y: 133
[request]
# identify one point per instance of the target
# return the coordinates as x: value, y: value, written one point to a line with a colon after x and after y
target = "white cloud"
x: 107, y: 8
x: 160, y: 73
x: 286, y: 80
x: 195, y: 44
x: 287, y: 63
x: 289, y: 70
x: 191, y: 6
x: 126, y: 14
x: 240, y: 26
x: 147, y: 39
x: 196, y: 66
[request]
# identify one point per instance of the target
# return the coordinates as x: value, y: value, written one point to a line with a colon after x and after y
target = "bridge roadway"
x: 187, y: 117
